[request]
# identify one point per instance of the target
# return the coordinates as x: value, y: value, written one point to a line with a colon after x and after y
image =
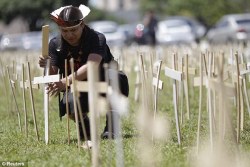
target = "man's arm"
x: 81, y: 73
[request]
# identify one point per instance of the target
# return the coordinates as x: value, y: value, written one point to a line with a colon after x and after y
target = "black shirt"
x: 91, y: 42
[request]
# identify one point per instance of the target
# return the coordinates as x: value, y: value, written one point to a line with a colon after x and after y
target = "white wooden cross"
x: 224, y: 90
x: 119, y: 105
x: 46, y: 79
x: 176, y: 76
x: 239, y: 72
x: 186, y: 71
x: 93, y: 87
x: 157, y: 84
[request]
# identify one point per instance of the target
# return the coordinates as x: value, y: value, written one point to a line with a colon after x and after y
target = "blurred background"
x: 179, y: 22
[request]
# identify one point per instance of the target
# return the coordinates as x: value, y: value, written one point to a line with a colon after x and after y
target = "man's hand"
x: 43, y: 61
x: 55, y: 88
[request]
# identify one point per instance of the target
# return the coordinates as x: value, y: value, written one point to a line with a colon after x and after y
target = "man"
x: 77, y: 41
x: 151, y: 22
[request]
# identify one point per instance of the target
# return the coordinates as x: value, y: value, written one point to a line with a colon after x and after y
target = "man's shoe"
x: 107, y: 135
x: 87, y: 144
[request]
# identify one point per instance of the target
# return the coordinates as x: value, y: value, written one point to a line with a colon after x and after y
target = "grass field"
x: 16, y: 147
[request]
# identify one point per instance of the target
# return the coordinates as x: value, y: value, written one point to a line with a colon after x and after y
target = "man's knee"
x: 72, y: 117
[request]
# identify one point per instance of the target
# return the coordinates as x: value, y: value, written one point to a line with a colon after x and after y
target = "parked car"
x: 176, y: 30
x: 230, y: 28
x: 110, y: 30
x: 198, y: 29
x: 173, y: 30
x: 23, y: 41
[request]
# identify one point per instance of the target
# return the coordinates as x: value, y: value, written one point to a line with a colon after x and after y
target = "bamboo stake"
x: 67, y: 101
x: 186, y: 87
x: 238, y: 98
x: 210, y: 106
x: 24, y: 103
x: 181, y: 93
x: 200, y: 102
x: 74, y: 101
x: 32, y: 101
x: 15, y: 101
x: 175, y: 102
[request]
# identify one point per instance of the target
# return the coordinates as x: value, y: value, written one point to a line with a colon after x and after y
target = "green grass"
x: 15, y: 146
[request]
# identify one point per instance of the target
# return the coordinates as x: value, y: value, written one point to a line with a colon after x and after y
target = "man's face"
x: 72, y: 34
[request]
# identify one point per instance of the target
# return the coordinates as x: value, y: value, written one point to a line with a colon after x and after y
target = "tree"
x: 206, y: 11
x: 33, y: 11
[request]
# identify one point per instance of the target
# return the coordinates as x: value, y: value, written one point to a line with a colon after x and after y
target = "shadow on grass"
x: 128, y: 136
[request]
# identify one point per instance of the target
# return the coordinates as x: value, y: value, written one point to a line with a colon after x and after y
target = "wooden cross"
x: 224, y: 90
x: 176, y: 76
x: 157, y: 84
x: 93, y: 87
x: 186, y: 70
x: 119, y: 105
x: 239, y: 72
x: 45, y: 79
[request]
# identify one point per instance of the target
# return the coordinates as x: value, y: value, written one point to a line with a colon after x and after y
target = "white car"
x: 179, y: 30
x: 230, y: 28
x: 22, y: 41
x: 174, y: 32
x: 110, y: 30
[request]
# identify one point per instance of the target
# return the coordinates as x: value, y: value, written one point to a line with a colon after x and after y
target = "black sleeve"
x: 53, y: 52
x: 98, y: 42
x: 99, y: 46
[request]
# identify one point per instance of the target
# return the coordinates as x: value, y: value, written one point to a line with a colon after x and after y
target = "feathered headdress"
x: 55, y: 16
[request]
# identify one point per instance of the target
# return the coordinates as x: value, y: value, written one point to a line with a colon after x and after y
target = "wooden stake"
x: 24, y: 104
x: 238, y: 97
x: 186, y: 89
x: 14, y: 96
x: 176, y: 76
x: 74, y: 101
x: 200, y: 102
x: 67, y: 101
x: 45, y: 54
x: 210, y: 104
x: 157, y: 84
x: 32, y: 101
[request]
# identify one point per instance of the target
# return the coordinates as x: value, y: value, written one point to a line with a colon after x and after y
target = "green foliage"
x: 206, y: 11
x: 32, y: 11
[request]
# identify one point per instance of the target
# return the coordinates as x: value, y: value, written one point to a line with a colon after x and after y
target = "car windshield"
x: 175, y: 23
x: 243, y: 21
x: 104, y: 27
